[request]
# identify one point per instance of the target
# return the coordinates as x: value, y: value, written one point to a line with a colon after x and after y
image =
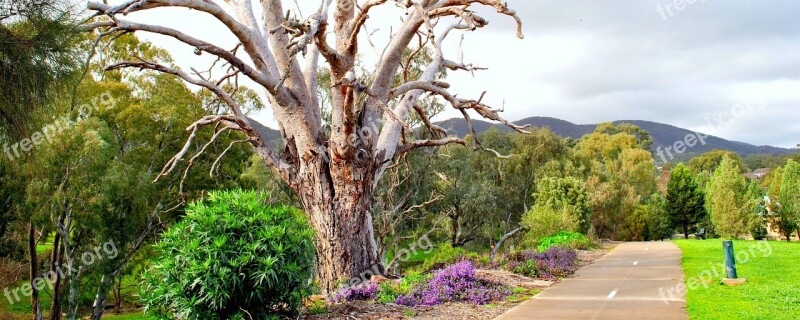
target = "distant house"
x: 758, y: 174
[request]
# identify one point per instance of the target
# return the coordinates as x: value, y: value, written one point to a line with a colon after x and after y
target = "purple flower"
x: 364, y: 291
x: 554, y: 263
x: 455, y: 283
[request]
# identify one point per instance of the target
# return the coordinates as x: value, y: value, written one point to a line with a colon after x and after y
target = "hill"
x: 663, y: 134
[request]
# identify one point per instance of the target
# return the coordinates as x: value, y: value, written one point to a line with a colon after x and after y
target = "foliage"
x: 391, y: 290
x: 709, y: 162
x: 685, y: 203
x: 657, y: 221
x: 565, y: 193
x: 790, y: 192
x: 565, y: 239
x: 468, y: 190
x: 38, y: 54
x: 643, y: 139
x: 730, y: 207
x: 543, y: 221
x: 761, y: 215
x: 445, y: 254
x: 556, y: 262
x: 780, y: 221
x: 231, y: 253
x: 772, y: 280
x: 455, y: 283
x: 620, y: 175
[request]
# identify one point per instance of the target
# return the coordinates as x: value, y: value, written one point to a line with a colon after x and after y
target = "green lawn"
x: 772, y: 270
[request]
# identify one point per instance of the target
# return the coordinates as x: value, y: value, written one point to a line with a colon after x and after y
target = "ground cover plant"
x: 555, y: 262
x: 572, y: 240
x: 455, y: 283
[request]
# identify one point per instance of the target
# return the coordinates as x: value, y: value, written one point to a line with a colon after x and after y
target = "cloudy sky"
x: 729, y: 68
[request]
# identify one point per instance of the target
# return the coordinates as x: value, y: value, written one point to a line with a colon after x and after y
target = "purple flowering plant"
x: 455, y: 283
x: 361, y: 292
x: 554, y: 263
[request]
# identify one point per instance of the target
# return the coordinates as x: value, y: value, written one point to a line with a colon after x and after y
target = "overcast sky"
x: 729, y: 68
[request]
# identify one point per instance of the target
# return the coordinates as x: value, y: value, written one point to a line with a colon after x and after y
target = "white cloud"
x: 588, y: 61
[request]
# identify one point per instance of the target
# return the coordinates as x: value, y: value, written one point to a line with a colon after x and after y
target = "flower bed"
x: 455, y: 283
x: 554, y: 263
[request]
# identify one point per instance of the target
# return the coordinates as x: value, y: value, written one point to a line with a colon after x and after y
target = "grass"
x: 129, y: 316
x: 772, y: 270
x: 22, y: 309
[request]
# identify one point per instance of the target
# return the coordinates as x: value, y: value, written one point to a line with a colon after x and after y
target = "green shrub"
x: 231, y: 256
x: 445, y: 255
x: 543, y: 221
x: 572, y: 240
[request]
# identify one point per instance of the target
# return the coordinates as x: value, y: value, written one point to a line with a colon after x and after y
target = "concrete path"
x: 634, y: 281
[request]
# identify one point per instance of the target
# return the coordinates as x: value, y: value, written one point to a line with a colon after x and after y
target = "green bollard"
x: 730, y: 261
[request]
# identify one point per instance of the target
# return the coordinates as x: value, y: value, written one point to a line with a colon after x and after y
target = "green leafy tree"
x: 658, y: 225
x: 544, y: 221
x: 469, y: 194
x: 780, y: 221
x: 709, y: 161
x: 685, y: 203
x: 727, y: 201
x: 569, y: 193
x: 790, y: 193
x: 38, y: 52
x: 759, y: 210
x: 619, y: 177
x: 232, y: 257
x: 91, y: 182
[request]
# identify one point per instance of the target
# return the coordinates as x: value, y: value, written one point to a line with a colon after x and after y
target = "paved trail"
x: 624, y: 284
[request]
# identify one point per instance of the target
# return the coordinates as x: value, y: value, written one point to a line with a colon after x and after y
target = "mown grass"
x: 772, y: 270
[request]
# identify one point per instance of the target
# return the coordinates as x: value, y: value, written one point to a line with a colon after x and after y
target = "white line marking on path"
x: 612, y: 294
x: 635, y: 263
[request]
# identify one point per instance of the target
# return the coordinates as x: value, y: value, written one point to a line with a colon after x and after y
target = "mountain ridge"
x: 664, y: 135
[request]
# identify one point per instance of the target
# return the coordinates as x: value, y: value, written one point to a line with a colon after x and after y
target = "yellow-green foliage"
x: 543, y: 221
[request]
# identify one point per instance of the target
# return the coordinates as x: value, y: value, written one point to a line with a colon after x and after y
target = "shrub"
x: 455, y: 283
x: 543, y: 221
x: 556, y: 262
x: 231, y: 255
x: 572, y: 240
x: 445, y: 255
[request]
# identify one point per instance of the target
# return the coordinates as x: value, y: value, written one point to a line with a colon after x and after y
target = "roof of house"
x: 758, y: 173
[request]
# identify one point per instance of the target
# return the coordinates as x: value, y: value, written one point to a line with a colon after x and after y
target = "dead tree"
x: 333, y: 174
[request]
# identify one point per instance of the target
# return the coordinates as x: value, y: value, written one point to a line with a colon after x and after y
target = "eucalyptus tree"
x: 37, y: 52
x: 709, y: 162
x: 470, y: 195
x: 620, y: 175
x: 91, y: 180
x: 332, y: 173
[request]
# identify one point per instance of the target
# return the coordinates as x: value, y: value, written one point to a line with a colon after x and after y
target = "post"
x: 730, y: 261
